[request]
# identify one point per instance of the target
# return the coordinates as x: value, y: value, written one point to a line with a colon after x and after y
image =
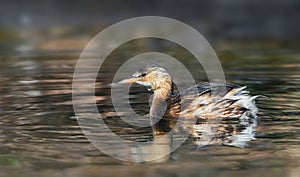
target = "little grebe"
x: 234, y: 102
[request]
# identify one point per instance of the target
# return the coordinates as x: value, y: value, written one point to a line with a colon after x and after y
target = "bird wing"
x: 206, y: 100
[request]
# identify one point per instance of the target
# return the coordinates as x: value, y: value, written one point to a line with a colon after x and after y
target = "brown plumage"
x: 204, y: 100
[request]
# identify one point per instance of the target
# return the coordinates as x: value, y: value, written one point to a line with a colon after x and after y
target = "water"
x: 39, y: 135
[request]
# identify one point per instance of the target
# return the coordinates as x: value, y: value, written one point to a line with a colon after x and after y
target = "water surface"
x: 39, y: 135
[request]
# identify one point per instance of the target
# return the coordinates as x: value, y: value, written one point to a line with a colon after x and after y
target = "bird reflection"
x: 204, y: 133
x: 231, y: 133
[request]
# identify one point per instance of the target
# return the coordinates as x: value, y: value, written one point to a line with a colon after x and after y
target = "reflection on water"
x: 39, y: 135
x: 232, y: 133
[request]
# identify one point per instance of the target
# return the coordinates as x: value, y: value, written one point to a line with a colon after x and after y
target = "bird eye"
x: 143, y: 74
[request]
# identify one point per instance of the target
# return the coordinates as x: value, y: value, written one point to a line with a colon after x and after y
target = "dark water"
x: 39, y: 135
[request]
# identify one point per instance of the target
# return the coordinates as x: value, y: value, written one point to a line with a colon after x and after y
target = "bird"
x: 205, y: 100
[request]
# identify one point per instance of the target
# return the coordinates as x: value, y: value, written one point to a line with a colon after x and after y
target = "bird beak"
x: 128, y: 81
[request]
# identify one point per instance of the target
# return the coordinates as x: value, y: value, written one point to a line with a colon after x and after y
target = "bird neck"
x: 159, y: 102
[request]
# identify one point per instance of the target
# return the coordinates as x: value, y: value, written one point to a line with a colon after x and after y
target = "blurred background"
x: 257, y: 42
x: 36, y: 23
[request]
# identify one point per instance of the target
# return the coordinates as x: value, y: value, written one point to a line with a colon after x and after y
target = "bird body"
x: 211, y: 101
x: 204, y: 100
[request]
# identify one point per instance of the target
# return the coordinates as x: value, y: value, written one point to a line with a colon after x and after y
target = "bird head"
x: 153, y: 76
